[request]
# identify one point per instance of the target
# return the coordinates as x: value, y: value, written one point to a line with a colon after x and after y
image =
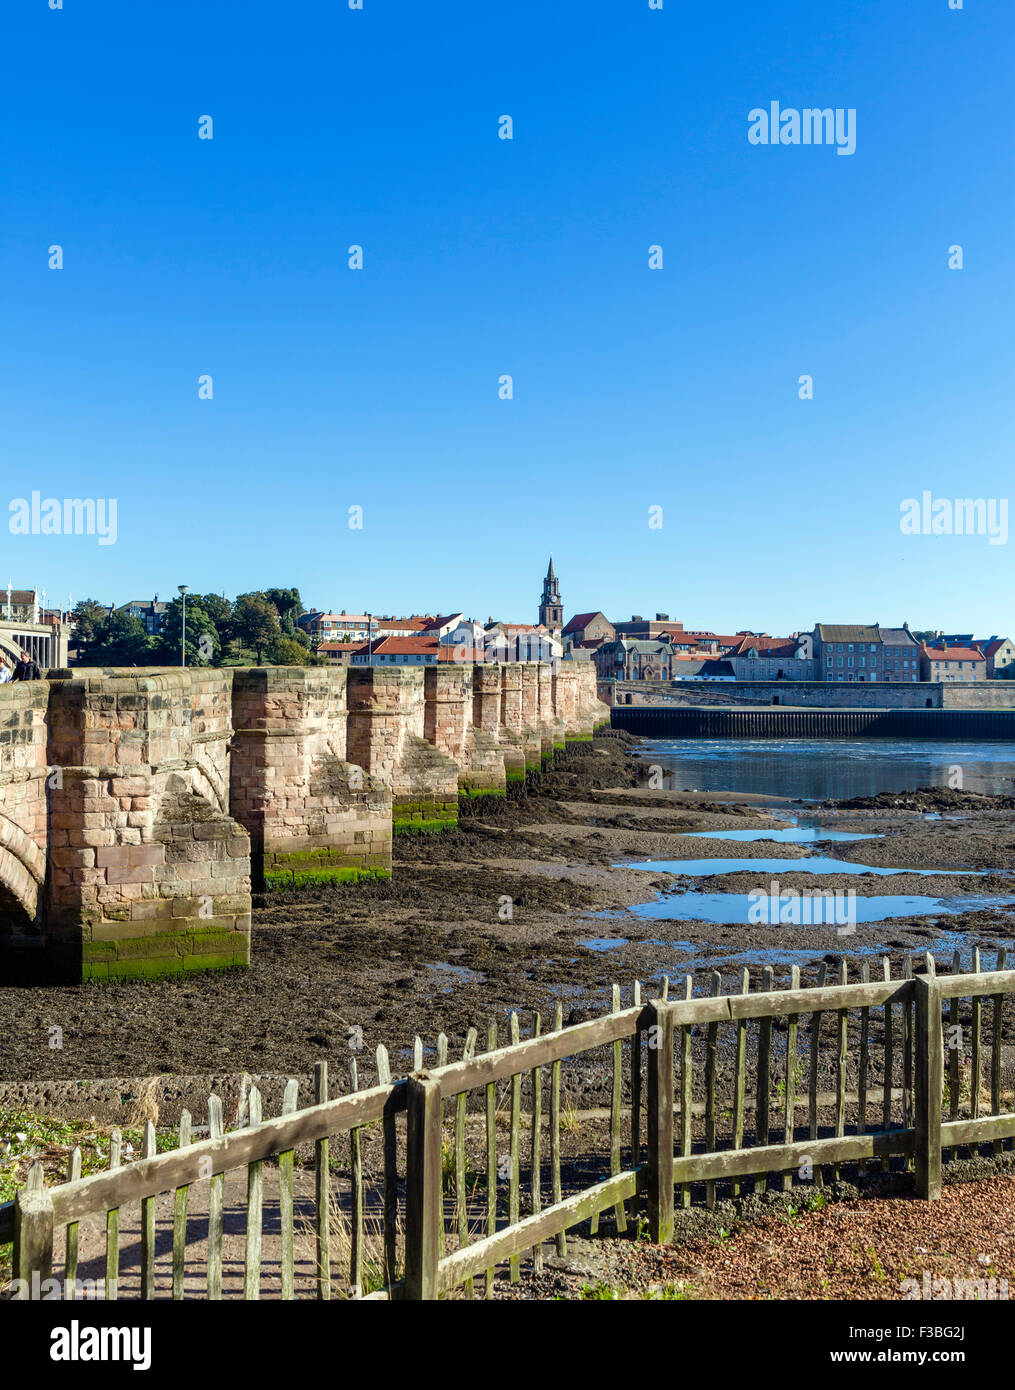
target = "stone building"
x: 586, y: 628
x: 941, y: 663
x: 999, y: 654
x: 864, y: 652
x: 771, y: 658
x: 901, y: 654
x: 151, y: 612
x: 634, y: 660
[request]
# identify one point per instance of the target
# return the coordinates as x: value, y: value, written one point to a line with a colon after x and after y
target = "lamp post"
x: 184, y: 591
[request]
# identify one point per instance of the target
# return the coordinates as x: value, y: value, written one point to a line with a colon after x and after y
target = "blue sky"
x: 632, y: 388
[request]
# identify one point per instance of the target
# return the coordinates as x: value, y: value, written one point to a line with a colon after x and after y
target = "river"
x: 816, y: 769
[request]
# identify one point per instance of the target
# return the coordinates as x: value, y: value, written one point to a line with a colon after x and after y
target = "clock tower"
x: 551, y: 610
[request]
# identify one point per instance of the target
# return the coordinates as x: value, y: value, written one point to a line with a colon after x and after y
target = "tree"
x: 286, y: 651
x: 204, y: 646
x: 220, y: 611
x: 287, y: 603
x: 255, y: 622
x: 124, y: 643
x: 91, y: 620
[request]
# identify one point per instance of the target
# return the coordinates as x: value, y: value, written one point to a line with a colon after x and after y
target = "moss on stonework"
x: 579, y: 738
x: 474, y: 793
x: 424, y: 827
x: 515, y: 774
x: 285, y: 879
x: 142, y: 968
x: 427, y: 810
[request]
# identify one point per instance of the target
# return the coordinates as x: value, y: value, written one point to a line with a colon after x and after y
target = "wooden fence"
x: 657, y: 1103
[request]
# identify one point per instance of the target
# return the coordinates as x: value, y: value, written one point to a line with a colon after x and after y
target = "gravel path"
x: 863, y: 1249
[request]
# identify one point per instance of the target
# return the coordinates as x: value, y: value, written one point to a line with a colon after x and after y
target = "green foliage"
x: 204, y: 644
x: 599, y: 1292
x: 90, y: 618
x: 256, y: 627
x: 255, y: 620
x: 121, y: 641
x: 287, y: 651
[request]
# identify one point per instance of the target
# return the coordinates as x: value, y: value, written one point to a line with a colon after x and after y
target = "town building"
x: 338, y: 653
x: 441, y: 626
x: 771, y: 659
x: 641, y: 629
x: 999, y: 654
x: 397, y: 651
x: 401, y: 627
x: 944, y: 663
x: 20, y: 605
x: 901, y: 654
x: 521, y: 642
x: 335, y: 627
x: 587, y: 630
x: 150, y: 611
x: 634, y: 659
x: 865, y: 652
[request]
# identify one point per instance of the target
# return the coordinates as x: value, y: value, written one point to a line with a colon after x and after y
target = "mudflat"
x: 498, y: 915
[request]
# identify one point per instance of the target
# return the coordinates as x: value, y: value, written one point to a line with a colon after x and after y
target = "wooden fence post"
x: 659, y: 1115
x: 929, y: 1066
x: 424, y: 1198
x: 33, y: 1241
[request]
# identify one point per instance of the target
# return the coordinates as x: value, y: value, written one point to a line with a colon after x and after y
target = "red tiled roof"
x: 439, y: 622
x: 411, y: 625
x: 766, y: 646
x: 399, y: 646
x: 579, y: 621
x: 992, y: 648
x: 954, y: 654
x: 341, y: 646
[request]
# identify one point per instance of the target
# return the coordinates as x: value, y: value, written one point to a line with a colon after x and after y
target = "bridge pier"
x: 138, y: 808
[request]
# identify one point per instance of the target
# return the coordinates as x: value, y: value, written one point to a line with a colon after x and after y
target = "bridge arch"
x: 20, y: 889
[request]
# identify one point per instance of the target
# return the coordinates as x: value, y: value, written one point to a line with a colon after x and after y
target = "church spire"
x: 551, y: 610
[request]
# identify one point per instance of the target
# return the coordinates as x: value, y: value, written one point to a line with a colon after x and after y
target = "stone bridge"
x: 139, y: 809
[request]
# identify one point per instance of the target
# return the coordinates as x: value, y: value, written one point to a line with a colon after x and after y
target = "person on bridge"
x: 27, y: 669
x: 5, y: 673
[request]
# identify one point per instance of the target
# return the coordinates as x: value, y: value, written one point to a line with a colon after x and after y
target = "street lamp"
x: 184, y: 591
